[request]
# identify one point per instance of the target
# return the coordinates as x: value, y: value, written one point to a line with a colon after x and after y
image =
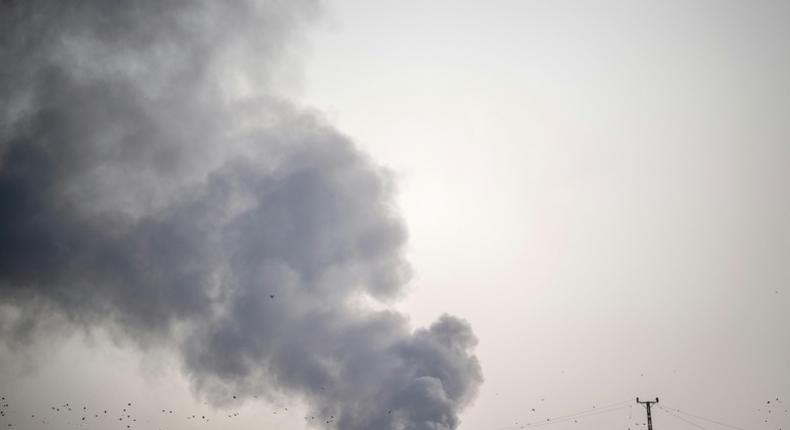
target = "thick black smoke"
x: 152, y: 183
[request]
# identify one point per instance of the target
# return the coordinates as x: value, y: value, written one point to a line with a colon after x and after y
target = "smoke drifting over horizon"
x: 152, y: 183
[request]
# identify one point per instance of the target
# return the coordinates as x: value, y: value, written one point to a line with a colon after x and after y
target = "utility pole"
x: 647, y: 404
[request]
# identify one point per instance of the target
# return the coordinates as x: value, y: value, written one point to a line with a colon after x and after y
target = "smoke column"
x: 153, y: 184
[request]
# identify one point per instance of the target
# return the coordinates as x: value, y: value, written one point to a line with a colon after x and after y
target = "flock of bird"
x: 67, y: 414
x: 773, y: 414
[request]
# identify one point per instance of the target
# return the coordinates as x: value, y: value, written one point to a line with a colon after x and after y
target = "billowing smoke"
x: 153, y: 183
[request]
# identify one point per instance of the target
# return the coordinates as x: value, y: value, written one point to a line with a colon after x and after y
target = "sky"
x: 396, y: 214
x: 598, y: 187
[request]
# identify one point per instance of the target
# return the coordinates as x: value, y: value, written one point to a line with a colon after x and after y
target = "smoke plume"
x: 153, y: 183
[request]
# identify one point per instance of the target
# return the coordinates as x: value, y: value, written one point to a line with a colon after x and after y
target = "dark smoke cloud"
x: 152, y: 183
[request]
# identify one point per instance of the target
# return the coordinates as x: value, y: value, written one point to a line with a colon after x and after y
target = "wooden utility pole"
x: 647, y: 404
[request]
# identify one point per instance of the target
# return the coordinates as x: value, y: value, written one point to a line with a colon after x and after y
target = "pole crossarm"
x: 648, y: 404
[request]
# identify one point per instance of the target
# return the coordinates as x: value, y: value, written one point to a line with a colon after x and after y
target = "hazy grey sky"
x: 599, y: 188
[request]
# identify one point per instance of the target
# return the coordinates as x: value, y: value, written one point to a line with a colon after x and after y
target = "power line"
x: 594, y: 409
x: 705, y: 419
x: 550, y: 421
x: 616, y: 407
x: 586, y: 411
x: 572, y: 415
x: 565, y: 418
x: 667, y: 411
